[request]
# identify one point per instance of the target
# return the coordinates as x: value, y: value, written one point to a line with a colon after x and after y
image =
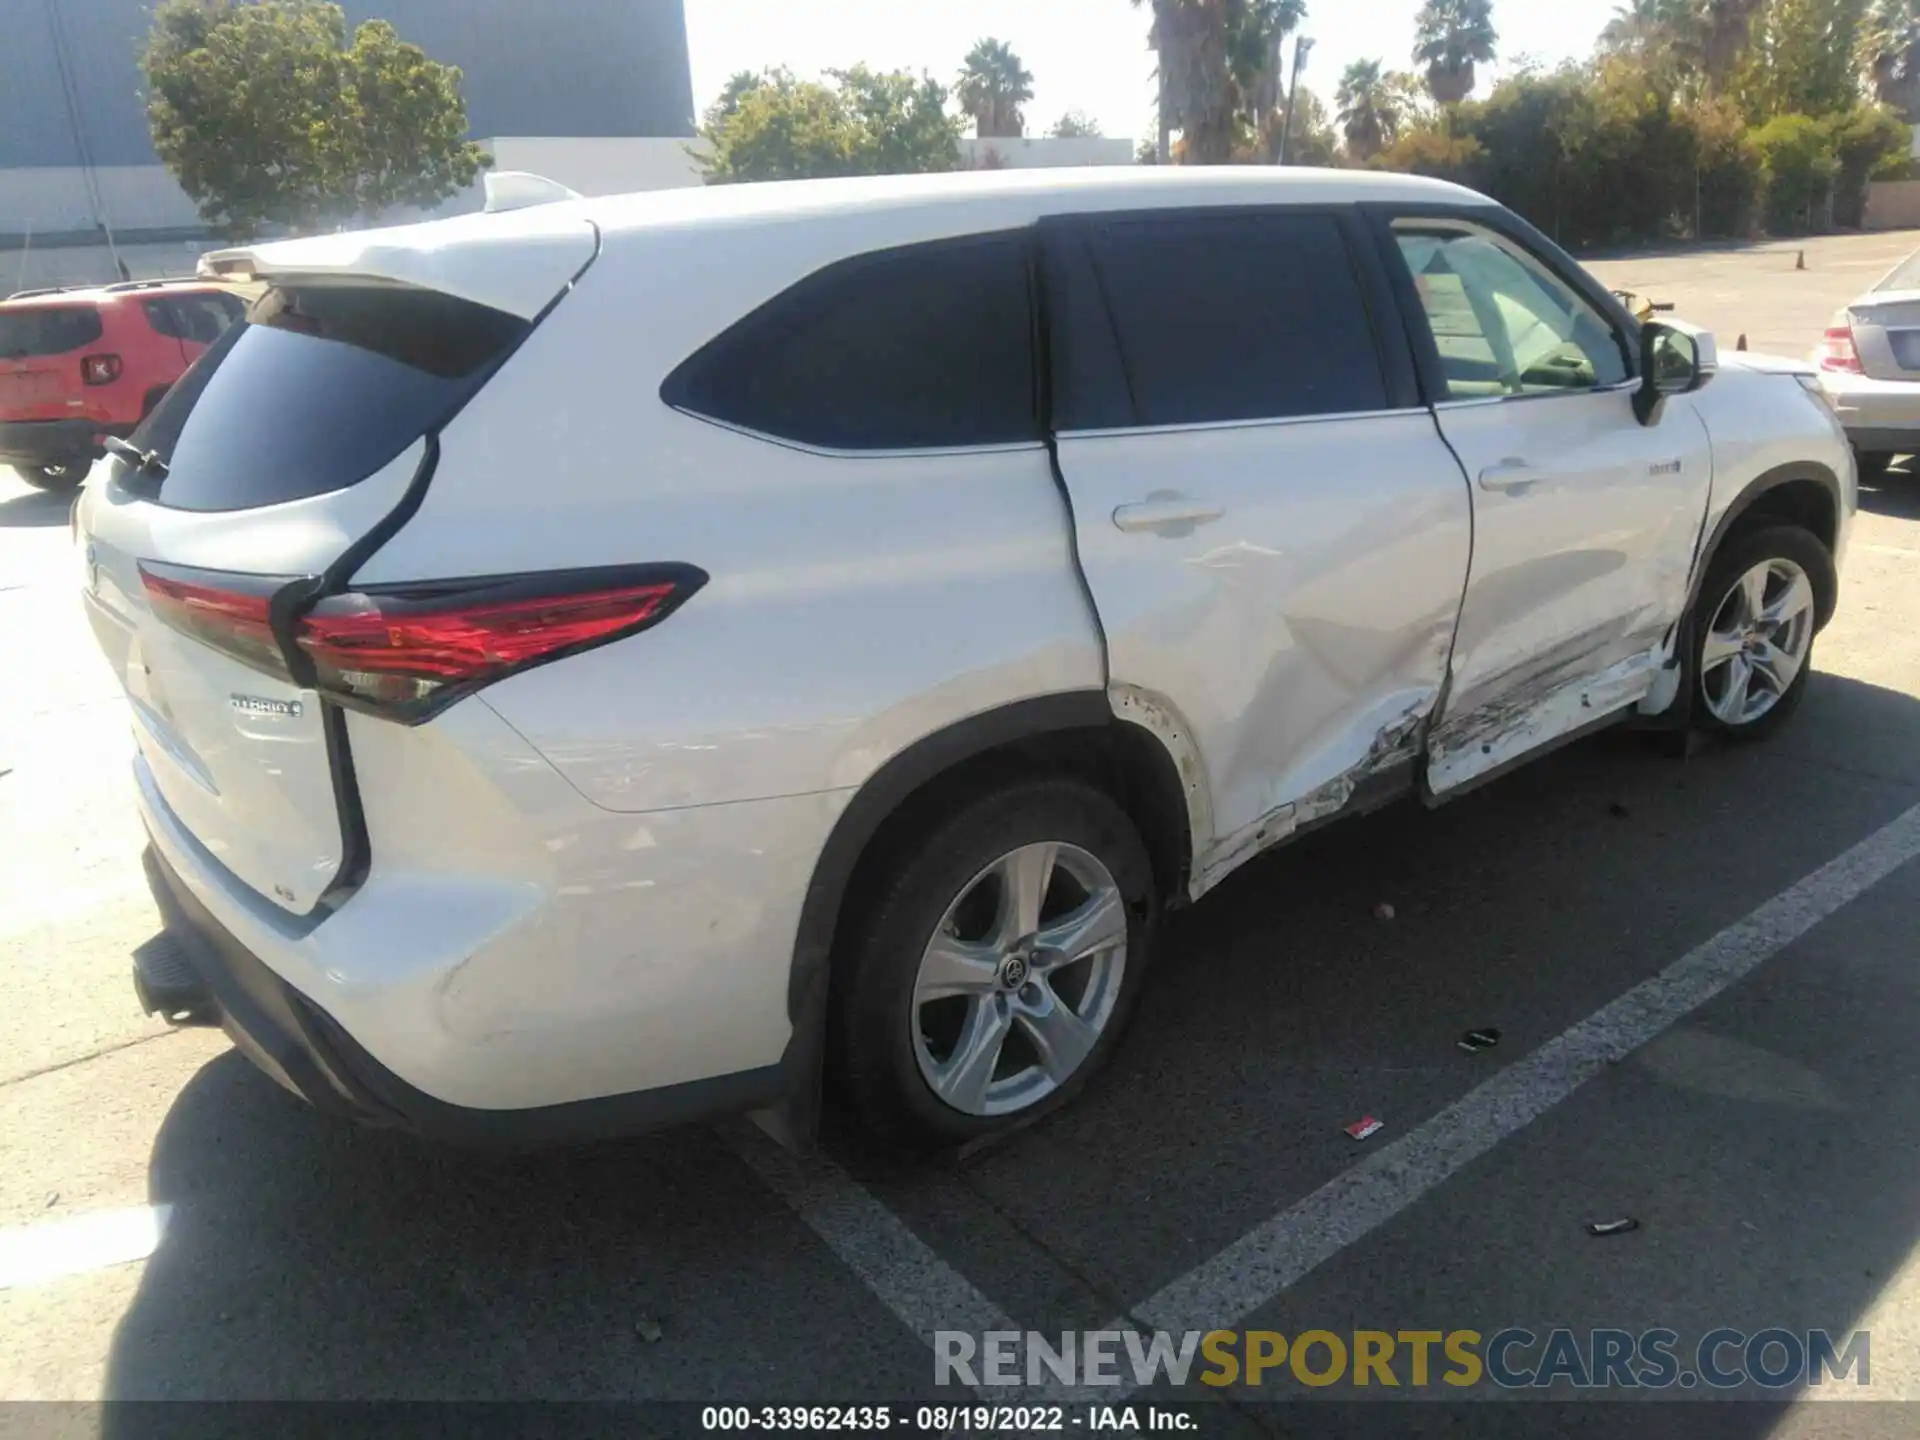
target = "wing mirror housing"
x: 1675, y: 359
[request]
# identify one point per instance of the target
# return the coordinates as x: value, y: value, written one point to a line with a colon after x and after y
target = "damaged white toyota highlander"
x: 612, y: 662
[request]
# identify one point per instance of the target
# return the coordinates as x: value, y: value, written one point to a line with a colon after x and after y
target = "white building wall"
x: 1038, y: 152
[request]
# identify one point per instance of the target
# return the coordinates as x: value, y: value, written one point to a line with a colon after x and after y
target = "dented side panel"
x: 1295, y: 646
x: 1586, y: 525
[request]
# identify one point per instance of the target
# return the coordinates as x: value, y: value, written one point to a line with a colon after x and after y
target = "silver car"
x: 1870, y: 368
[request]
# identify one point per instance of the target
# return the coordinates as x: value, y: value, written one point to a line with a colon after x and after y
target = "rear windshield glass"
x: 47, y: 330
x: 318, y: 388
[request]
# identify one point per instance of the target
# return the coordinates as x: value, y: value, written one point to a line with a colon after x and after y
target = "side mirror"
x: 1675, y: 359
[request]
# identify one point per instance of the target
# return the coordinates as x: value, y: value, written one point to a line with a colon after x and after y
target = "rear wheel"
x: 1754, y: 625
x: 55, y: 477
x: 996, y: 967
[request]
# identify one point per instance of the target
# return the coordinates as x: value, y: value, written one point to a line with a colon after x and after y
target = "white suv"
x: 615, y: 661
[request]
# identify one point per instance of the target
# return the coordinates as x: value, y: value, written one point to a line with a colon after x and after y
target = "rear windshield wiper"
x: 144, y: 462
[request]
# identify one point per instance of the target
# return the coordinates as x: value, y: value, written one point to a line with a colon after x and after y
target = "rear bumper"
x: 50, y: 442
x: 306, y: 1051
x: 1878, y: 415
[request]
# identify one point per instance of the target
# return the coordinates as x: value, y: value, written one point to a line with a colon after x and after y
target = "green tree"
x: 1452, y: 38
x: 1803, y: 59
x: 1220, y: 73
x: 1890, y: 55
x: 1075, y: 125
x: 1369, y: 110
x: 993, y: 86
x: 1315, y: 140
x: 1866, y: 142
x: 1797, y: 168
x: 774, y: 126
x: 268, y: 117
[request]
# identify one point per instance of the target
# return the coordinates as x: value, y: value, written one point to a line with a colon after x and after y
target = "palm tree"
x: 1722, y: 30
x: 1190, y: 37
x: 993, y: 86
x: 1890, y: 54
x: 1369, y: 110
x: 1453, y: 37
x: 1646, y: 27
x: 1220, y: 72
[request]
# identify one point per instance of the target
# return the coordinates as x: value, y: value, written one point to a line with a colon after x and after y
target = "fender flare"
x: 1755, y: 491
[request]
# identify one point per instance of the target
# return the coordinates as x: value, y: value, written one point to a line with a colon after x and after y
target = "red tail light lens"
x: 1838, y: 353
x: 229, y: 612
x: 409, y: 652
x: 100, y: 369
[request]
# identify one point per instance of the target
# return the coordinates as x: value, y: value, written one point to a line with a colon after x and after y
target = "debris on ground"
x: 53, y: 1199
x: 648, y: 1330
x: 1618, y: 811
x: 1474, y: 1041
x: 1604, y: 1228
x: 1366, y: 1127
x: 1383, y: 911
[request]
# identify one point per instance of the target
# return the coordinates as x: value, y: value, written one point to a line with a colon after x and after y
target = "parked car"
x: 601, y: 664
x: 80, y: 366
x: 1869, y: 363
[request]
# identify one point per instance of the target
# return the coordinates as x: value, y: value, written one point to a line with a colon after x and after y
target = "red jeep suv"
x: 77, y: 366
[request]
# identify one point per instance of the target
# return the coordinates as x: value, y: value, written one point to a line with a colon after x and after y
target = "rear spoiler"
x: 516, y: 257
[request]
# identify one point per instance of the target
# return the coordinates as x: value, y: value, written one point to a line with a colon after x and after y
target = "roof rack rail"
x: 47, y: 290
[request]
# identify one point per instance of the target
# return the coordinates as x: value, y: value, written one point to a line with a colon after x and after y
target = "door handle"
x: 1510, y: 477
x: 1166, y: 515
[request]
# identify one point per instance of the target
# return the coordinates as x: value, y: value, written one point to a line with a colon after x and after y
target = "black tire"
x: 874, y: 1023
x: 1872, y: 464
x: 1740, y: 554
x: 55, y: 477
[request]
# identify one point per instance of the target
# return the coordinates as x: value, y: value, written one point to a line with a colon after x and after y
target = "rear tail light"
x: 100, y: 369
x: 232, y: 613
x: 407, y: 652
x: 1838, y: 353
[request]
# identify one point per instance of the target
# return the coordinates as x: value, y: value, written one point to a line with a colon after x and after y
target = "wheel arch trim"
x: 1755, y: 491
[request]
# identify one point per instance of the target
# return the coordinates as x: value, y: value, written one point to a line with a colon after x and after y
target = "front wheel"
x: 997, y: 967
x: 55, y: 477
x: 1763, y: 602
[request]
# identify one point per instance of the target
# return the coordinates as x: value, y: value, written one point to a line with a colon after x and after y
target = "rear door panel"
x: 1274, y: 533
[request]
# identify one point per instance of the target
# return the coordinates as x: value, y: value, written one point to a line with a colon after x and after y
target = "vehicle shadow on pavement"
x: 1896, y: 494
x: 306, y: 1259
x: 36, y: 509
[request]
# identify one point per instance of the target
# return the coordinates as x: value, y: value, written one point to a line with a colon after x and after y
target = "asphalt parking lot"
x: 1705, y: 972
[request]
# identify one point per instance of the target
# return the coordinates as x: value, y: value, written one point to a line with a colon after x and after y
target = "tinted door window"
x: 928, y: 346
x: 47, y: 330
x: 1504, y: 324
x: 1238, y: 318
x: 318, y: 390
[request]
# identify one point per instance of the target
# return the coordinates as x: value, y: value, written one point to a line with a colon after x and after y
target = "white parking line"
x: 1277, y: 1254
x: 923, y: 1291
x: 30, y: 1254
x: 927, y: 1295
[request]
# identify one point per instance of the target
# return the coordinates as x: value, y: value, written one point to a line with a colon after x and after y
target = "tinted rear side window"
x: 47, y: 330
x: 1238, y: 317
x: 317, y: 389
x: 916, y: 348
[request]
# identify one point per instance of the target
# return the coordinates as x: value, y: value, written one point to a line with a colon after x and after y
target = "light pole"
x: 1301, y: 49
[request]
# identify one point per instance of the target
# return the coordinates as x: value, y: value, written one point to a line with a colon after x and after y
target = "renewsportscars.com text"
x: 1512, y: 1359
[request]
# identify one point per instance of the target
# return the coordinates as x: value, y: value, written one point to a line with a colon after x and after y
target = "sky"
x: 1085, y: 55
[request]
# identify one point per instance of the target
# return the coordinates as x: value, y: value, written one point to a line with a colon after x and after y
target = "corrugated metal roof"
x: 585, y: 67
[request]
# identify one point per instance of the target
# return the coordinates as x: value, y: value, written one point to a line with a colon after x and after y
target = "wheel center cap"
x: 1014, y: 972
